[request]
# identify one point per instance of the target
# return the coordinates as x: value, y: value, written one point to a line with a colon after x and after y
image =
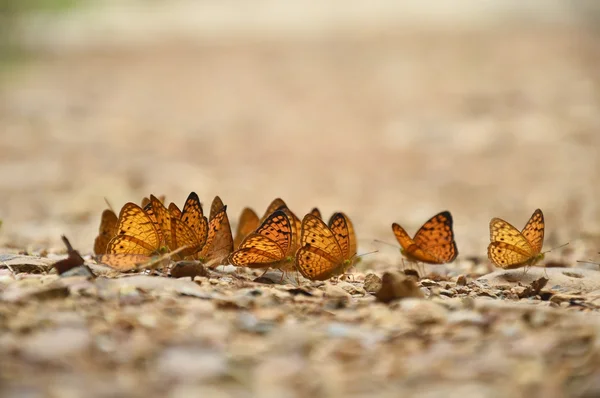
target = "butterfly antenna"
x: 386, y: 243
x: 108, y: 204
x: 364, y: 254
x: 557, y: 247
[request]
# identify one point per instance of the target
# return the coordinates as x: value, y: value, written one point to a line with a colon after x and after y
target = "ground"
x: 387, y: 127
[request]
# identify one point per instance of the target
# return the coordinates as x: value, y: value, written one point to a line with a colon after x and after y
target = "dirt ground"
x: 392, y: 127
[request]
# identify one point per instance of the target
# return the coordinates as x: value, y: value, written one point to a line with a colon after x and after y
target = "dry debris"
x: 220, y: 332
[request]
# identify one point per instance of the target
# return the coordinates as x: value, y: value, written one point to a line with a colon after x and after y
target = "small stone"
x: 351, y: 289
x: 396, y: 286
x: 423, y: 311
x: 372, y: 283
x: 429, y: 282
x: 335, y: 291
x: 461, y: 280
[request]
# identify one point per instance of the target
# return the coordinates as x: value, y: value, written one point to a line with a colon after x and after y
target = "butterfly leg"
x: 263, y: 274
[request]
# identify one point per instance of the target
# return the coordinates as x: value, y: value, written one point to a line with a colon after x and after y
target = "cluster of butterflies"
x: 280, y: 240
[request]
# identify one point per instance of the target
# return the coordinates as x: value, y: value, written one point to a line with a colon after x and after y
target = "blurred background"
x: 387, y: 110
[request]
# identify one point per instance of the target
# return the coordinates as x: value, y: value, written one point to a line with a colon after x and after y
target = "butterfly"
x: 185, y: 229
x: 433, y: 243
x: 107, y: 231
x: 327, y: 250
x: 269, y: 246
x: 219, y: 241
x: 510, y: 248
x: 249, y: 220
x: 136, y: 241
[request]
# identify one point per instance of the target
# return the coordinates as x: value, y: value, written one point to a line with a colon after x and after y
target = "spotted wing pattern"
x: 273, y: 206
x: 193, y: 216
x: 343, y: 230
x: 137, y: 239
x: 510, y: 248
x: 174, y: 211
x: 433, y: 243
x: 268, y: 245
x: 322, y: 255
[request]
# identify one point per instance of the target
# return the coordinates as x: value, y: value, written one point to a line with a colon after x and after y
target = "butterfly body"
x: 510, y: 248
x: 327, y: 250
x: 432, y: 244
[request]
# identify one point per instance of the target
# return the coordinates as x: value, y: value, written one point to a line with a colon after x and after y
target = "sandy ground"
x: 389, y: 127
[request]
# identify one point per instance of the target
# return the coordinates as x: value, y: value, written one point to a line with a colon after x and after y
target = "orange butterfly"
x: 510, y: 248
x: 270, y: 246
x: 136, y: 241
x: 327, y: 250
x: 249, y: 220
x: 219, y: 242
x: 433, y: 243
x: 178, y: 229
x: 108, y: 228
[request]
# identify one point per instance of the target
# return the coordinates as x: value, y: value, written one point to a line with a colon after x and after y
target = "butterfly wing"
x: 508, y: 247
x: 278, y: 227
x: 320, y: 257
x: 273, y: 206
x: 402, y: 236
x: 343, y: 230
x: 534, y: 231
x: 107, y: 231
x: 295, y: 226
x: 316, y: 212
x: 215, y: 207
x: 163, y: 220
x: 219, y: 243
x: 193, y: 216
x: 183, y: 235
x: 436, y: 239
x: 257, y: 251
x: 136, y: 241
x: 268, y: 245
x: 249, y: 221
x: 174, y: 211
